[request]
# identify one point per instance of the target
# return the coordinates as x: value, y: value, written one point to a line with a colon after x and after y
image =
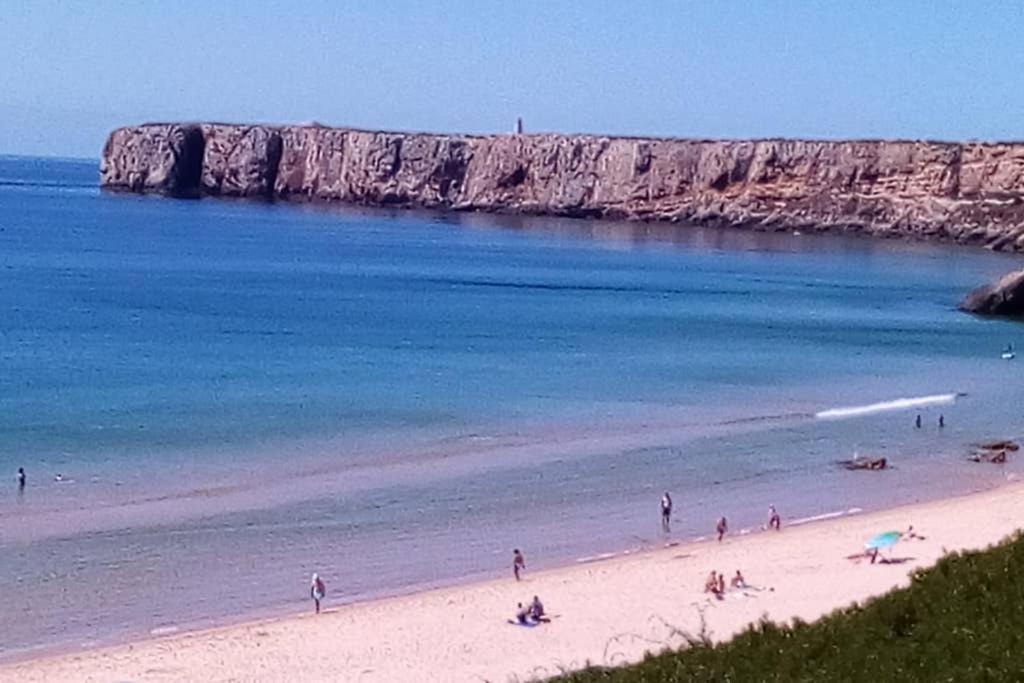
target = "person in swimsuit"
x: 522, y: 613
x: 738, y: 581
x: 518, y: 563
x: 666, y: 511
x: 722, y: 527
x: 317, y: 590
x: 536, y: 609
x: 711, y: 585
x: 21, y: 479
x: 774, y: 520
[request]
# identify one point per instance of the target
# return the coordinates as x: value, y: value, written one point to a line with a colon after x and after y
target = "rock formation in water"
x: 1005, y: 296
x: 970, y: 193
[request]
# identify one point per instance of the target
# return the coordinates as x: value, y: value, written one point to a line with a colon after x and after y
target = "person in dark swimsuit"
x: 518, y: 563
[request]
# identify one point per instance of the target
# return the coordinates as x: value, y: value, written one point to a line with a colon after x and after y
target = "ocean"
x: 214, y: 399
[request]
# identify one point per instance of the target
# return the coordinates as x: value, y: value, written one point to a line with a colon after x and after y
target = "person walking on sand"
x: 518, y: 563
x: 666, y: 511
x: 21, y: 479
x: 774, y: 520
x: 317, y: 591
x: 942, y: 421
x: 722, y: 527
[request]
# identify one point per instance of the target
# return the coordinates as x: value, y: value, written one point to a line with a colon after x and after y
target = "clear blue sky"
x: 72, y: 71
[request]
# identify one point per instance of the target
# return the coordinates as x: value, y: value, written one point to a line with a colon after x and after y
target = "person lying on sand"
x: 910, y: 534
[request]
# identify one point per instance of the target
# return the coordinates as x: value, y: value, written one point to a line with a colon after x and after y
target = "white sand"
x: 607, y: 612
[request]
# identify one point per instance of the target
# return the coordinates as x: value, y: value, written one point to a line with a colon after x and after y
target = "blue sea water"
x: 237, y: 394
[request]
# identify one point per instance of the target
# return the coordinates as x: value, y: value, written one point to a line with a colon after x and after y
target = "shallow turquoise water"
x: 259, y: 390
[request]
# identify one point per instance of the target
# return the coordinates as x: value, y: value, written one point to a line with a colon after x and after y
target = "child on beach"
x: 518, y: 563
x: 722, y: 527
x: 317, y: 591
x: 774, y: 520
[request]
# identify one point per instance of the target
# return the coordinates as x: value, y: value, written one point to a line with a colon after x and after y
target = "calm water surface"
x: 238, y: 394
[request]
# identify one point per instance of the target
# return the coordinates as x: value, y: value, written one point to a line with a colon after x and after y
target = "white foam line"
x: 596, y: 558
x: 824, y: 516
x: 887, y: 406
x: 163, y: 630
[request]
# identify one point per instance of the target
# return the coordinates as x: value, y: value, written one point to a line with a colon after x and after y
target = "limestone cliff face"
x: 962, y: 192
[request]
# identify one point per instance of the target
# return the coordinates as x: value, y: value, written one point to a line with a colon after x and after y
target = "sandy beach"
x: 608, y: 612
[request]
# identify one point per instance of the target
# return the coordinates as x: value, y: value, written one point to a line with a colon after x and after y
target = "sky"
x: 72, y: 71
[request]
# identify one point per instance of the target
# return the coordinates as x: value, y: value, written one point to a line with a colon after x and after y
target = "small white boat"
x: 1008, y: 354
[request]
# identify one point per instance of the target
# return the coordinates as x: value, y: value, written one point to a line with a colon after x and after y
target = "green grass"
x: 961, y: 620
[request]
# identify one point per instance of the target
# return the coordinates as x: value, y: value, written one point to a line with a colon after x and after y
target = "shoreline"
x: 397, y: 625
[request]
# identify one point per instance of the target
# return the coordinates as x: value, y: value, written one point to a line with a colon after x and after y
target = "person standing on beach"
x: 21, y: 479
x: 317, y: 590
x: 774, y: 520
x: 917, y: 422
x: 722, y: 527
x: 942, y: 421
x: 518, y: 563
x: 666, y: 511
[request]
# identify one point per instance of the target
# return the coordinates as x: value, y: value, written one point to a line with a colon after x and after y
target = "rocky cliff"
x: 1004, y: 297
x: 961, y: 192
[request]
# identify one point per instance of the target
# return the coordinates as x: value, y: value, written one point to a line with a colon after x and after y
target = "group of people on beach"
x: 716, y: 584
x: 531, y: 614
x: 721, y: 526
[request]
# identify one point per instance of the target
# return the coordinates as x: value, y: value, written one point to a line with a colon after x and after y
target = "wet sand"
x: 606, y: 612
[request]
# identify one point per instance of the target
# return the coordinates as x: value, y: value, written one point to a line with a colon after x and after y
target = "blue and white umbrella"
x: 883, y: 540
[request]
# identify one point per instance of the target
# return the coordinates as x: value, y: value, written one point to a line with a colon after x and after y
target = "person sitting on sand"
x: 911, y: 534
x: 711, y: 585
x: 738, y: 581
x: 317, y: 591
x: 522, y: 614
x: 774, y: 520
x: 536, y: 609
x: 518, y: 563
x: 722, y: 527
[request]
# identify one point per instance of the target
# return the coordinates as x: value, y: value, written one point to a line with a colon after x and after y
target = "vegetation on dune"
x: 961, y: 620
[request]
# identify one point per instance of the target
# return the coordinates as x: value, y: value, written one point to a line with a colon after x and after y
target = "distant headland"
x: 963, y: 192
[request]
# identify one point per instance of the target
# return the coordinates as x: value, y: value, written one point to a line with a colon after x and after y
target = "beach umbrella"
x: 883, y: 540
